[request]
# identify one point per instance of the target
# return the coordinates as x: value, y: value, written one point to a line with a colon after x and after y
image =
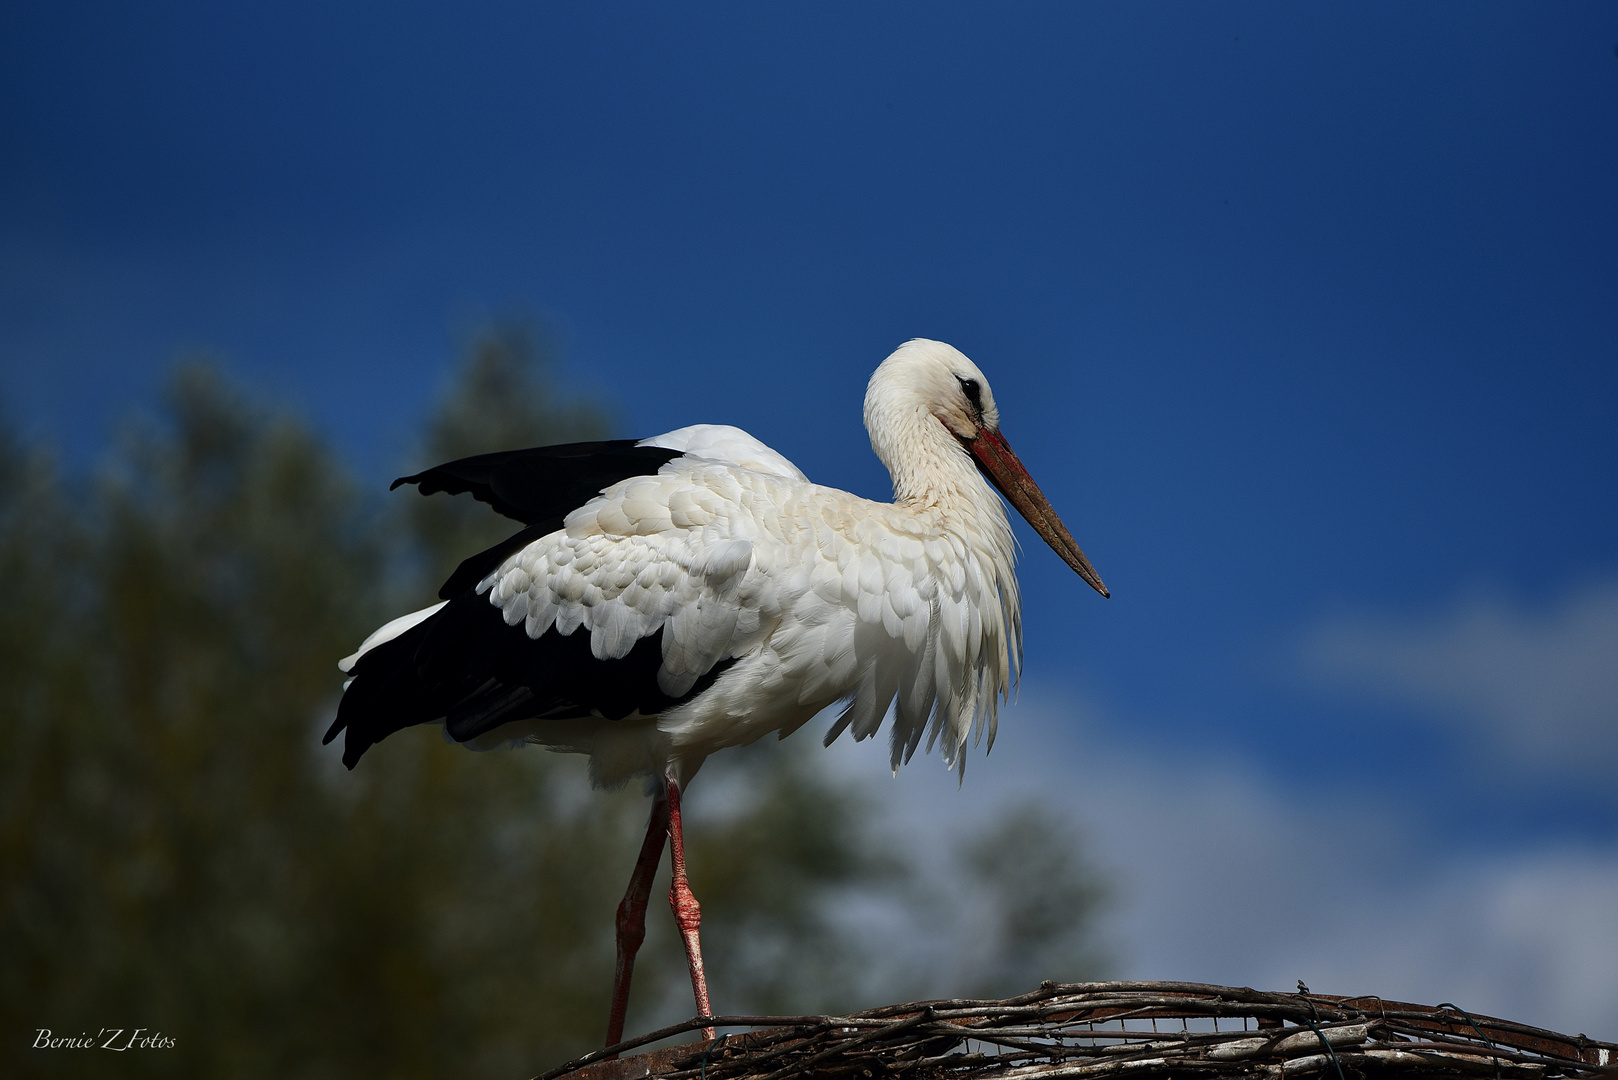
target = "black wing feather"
x: 542, y: 482
x: 465, y: 666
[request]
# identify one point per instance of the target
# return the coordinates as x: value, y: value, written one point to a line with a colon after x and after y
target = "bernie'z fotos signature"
x: 119, y: 1039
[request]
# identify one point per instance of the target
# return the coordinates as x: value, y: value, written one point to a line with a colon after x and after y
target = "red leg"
x: 632, y: 915
x: 686, y: 911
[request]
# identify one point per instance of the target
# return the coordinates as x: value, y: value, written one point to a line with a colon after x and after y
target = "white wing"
x: 669, y: 552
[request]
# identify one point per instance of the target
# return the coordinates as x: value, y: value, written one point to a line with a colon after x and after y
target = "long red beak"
x: 1003, y: 469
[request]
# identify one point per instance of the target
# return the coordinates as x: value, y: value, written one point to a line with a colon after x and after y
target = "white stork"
x: 692, y: 591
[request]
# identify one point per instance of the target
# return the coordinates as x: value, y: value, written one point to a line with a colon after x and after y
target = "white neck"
x: 933, y: 472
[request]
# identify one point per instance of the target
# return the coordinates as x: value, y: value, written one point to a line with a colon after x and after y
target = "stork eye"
x: 973, y: 392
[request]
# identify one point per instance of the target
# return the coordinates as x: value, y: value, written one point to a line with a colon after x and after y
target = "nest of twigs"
x: 1104, y: 1029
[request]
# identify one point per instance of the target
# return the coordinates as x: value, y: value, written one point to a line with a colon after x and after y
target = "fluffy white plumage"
x: 819, y: 594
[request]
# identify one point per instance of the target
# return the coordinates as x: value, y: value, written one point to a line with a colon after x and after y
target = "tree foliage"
x: 177, y: 852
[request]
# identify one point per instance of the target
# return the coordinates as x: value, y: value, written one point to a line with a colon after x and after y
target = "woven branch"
x: 1138, y: 1030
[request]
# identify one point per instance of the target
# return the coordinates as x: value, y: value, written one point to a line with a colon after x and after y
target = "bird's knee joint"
x: 687, y: 912
x: 631, y: 926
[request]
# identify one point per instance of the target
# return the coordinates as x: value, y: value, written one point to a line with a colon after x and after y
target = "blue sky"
x: 1305, y: 317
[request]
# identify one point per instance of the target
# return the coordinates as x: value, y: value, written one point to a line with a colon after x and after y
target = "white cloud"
x: 1541, y: 686
x: 1532, y: 936
x: 1227, y: 879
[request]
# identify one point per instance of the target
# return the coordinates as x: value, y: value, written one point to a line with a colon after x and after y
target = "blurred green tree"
x: 1042, y: 899
x: 178, y: 853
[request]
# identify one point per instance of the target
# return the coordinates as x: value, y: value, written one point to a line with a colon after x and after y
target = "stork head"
x: 927, y: 387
